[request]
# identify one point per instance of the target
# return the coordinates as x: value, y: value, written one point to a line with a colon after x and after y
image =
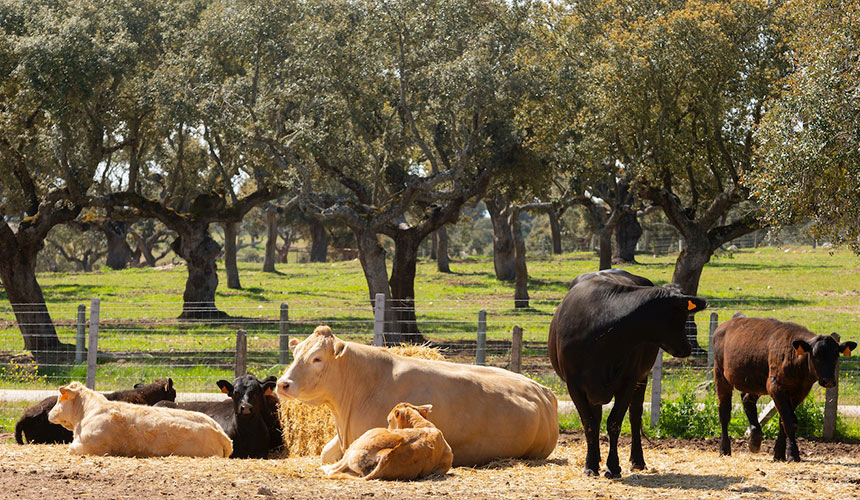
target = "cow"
x: 484, y: 412
x: 411, y: 447
x: 603, y: 341
x: 34, y: 424
x: 249, y: 416
x: 759, y: 356
x: 103, y: 427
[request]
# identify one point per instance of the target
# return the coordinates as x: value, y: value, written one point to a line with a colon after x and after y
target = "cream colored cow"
x: 485, y: 413
x: 410, y: 448
x: 103, y: 427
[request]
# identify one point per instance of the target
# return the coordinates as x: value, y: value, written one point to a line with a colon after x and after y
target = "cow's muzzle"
x: 827, y: 383
x: 284, y: 386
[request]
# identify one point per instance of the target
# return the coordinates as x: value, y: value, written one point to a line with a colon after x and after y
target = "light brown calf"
x: 103, y: 427
x: 410, y: 448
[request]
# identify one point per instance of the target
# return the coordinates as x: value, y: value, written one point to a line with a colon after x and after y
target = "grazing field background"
x: 140, y: 339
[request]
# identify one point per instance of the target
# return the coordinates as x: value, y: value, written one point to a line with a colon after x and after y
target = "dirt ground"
x: 676, y: 469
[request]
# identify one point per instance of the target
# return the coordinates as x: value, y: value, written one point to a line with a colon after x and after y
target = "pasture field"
x: 818, y: 288
x: 676, y: 469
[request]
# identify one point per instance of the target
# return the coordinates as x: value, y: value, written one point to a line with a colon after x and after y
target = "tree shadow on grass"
x: 714, y: 482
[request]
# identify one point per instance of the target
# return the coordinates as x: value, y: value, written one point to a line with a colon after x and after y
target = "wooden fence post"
x: 93, y: 345
x: 481, y: 347
x: 81, y: 338
x: 831, y: 402
x: 517, y: 349
x: 284, y: 335
x: 379, y: 320
x: 241, y: 364
x: 656, y: 389
x: 713, y: 327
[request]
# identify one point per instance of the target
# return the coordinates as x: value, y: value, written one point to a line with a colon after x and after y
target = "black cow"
x: 603, y: 341
x: 760, y: 356
x: 34, y: 424
x: 249, y: 417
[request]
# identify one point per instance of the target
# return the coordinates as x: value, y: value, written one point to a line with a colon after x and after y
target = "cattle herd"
x: 603, y: 340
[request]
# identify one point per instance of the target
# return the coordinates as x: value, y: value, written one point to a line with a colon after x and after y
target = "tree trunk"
x: 319, y: 241
x: 521, y: 287
x: 118, y: 251
x: 402, y: 283
x: 555, y: 231
x: 18, y: 272
x: 605, y: 250
x: 433, y: 244
x: 230, y: 256
x: 691, y: 262
x: 503, y: 245
x: 371, y: 255
x: 271, y: 241
x: 144, y: 249
x: 627, y: 234
x: 200, y: 252
x: 440, y: 240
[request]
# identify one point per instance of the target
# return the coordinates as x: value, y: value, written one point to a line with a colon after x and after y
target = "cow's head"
x: 67, y: 410
x: 313, y: 359
x: 405, y: 415
x: 823, y: 351
x: 248, y: 394
x: 159, y: 390
x: 670, y: 321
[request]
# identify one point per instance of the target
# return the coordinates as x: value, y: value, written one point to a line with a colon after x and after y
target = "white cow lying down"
x: 485, y: 413
x: 411, y: 447
x: 103, y: 427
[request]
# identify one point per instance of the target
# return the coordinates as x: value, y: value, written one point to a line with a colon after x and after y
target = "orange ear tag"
x: 846, y: 352
x: 690, y: 305
x: 64, y: 397
x: 800, y: 351
x: 225, y: 390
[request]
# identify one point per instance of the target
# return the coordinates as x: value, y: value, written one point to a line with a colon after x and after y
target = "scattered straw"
x: 307, y: 428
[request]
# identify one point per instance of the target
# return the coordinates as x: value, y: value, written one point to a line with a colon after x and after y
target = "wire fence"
x: 138, y: 342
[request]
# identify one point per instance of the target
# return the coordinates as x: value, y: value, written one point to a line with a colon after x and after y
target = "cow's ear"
x: 169, y: 385
x: 846, y: 347
x: 801, y: 347
x: 65, y: 394
x: 138, y: 385
x: 226, y: 387
x: 269, y: 386
x: 293, y: 344
x: 339, y: 348
x: 695, y: 304
x: 424, y: 410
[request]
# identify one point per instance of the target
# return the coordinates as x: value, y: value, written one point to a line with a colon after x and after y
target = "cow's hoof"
x: 777, y: 458
x: 637, y: 465
x: 726, y: 451
x: 589, y: 472
x: 754, y: 441
x: 612, y: 475
x: 794, y: 458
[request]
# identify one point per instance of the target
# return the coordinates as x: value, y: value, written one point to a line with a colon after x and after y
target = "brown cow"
x: 760, y: 356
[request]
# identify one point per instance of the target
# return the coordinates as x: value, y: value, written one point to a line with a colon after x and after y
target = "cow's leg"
x: 613, y: 428
x: 724, y: 398
x: 788, y: 423
x: 637, y: 458
x: 779, y: 444
x: 749, y: 402
x: 590, y: 416
x: 331, y: 451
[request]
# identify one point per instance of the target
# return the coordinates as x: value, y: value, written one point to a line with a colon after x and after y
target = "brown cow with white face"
x: 485, y: 413
x: 760, y: 356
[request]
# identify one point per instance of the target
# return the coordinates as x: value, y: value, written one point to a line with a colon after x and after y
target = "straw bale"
x: 307, y: 428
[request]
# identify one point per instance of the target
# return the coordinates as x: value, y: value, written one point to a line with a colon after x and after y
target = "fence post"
x: 831, y: 402
x: 712, y: 328
x: 241, y: 363
x: 517, y: 349
x: 656, y: 389
x: 81, y: 338
x: 481, y: 347
x: 93, y: 344
x: 379, y: 320
x: 284, y: 335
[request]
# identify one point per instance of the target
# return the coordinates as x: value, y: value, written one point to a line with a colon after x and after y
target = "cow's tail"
x: 19, y: 431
